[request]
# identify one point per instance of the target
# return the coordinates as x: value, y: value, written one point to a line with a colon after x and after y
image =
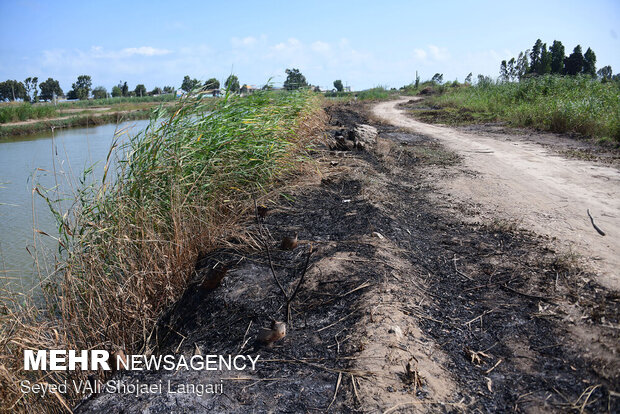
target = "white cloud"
x: 438, y: 53
x: 320, y: 47
x: 420, y: 54
x: 246, y: 41
x: 144, y: 51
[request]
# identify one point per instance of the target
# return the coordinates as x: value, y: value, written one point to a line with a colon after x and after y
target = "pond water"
x: 55, y: 162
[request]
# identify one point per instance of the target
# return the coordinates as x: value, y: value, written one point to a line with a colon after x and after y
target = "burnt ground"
x: 489, y: 318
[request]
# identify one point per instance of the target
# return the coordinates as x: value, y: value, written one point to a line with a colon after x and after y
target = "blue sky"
x: 364, y: 43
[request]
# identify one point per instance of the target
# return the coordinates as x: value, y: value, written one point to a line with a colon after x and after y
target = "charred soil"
x: 403, y: 306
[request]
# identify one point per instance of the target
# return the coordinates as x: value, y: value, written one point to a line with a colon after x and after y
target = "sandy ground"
x: 525, y: 183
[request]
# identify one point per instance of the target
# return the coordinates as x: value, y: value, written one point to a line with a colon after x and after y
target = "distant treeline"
x: 13, y: 90
x: 542, y: 61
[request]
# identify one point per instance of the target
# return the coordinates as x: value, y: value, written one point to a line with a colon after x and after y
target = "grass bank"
x: 57, y: 115
x: 79, y: 120
x: 25, y: 111
x: 130, y: 245
x: 553, y: 103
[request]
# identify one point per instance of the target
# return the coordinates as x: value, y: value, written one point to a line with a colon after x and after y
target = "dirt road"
x: 523, y: 182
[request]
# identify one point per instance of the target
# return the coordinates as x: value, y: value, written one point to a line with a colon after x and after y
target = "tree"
x: 338, y: 85
x: 212, y: 84
x: 535, y: 57
x: 100, y: 93
x: 437, y: 78
x: 81, y: 88
x: 140, y: 90
x: 557, y: 57
x: 117, y: 92
x: 605, y: 73
x: 589, y: 63
x: 468, y: 78
x: 294, y: 79
x: 545, y: 61
x: 523, y: 66
x: 32, y: 93
x: 49, y: 88
x: 124, y: 89
x: 512, y: 69
x: 11, y: 90
x: 156, y: 91
x: 189, y: 84
x: 573, y: 64
x: 232, y: 84
x: 503, y: 71
x: 168, y: 89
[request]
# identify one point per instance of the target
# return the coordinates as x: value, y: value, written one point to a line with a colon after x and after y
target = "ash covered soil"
x: 404, y: 305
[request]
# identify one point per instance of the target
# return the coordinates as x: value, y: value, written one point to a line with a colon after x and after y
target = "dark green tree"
x: 232, y: 84
x: 140, y: 90
x: 12, y: 90
x: 589, y: 63
x: 169, y: 89
x: 100, y: 93
x: 124, y: 89
x: 535, y: 57
x: 156, y: 91
x: 503, y: 71
x: 294, y: 80
x: 573, y: 64
x: 212, y: 84
x: 605, y: 73
x: 32, y: 93
x: 81, y: 88
x: 338, y: 85
x: 189, y: 84
x: 557, y: 57
x: 117, y: 92
x: 437, y: 78
x: 545, y: 61
x: 49, y: 88
x: 468, y: 78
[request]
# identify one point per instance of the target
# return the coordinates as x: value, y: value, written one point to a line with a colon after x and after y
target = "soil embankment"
x: 404, y: 305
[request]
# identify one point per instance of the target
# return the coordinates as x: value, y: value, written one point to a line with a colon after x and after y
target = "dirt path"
x: 523, y: 182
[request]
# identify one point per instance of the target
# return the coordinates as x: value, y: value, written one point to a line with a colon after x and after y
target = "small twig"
x: 336, y: 391
x: 266, y: 244
x: 245, y: 341
x: 338, y: 321
x: 597, y: 228
x: 527, y: 295
x: 355, y: 388
x: 488, y: 371
x: 301, y: 281
x: 458, y: 271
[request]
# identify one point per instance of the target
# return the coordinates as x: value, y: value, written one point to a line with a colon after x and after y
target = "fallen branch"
x: 597, y: 228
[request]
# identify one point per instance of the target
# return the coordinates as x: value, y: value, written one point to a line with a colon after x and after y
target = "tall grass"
x: 562, y: 104
x: 376, y: 93
x: 130, y: 244
x: 25, y: 111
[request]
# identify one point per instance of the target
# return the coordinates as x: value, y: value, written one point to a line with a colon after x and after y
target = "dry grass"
x: 130, y: 247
